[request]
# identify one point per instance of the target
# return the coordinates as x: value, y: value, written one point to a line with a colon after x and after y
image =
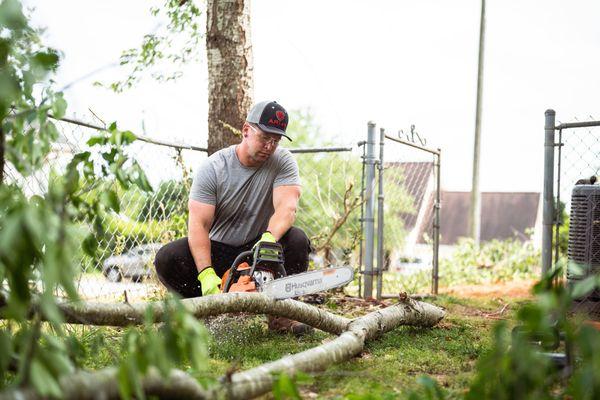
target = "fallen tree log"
x: 259, y: 380
x: 124, y: 314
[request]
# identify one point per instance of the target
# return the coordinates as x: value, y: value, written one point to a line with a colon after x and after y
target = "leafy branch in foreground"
x: 41, y: 226
x: 518, y: 367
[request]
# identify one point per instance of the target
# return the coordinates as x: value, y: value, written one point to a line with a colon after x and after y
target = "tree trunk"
x: 259, y: 380
x: 230, y: 70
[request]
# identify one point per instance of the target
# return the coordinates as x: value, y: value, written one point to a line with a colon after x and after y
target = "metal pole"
x: 380, y: 198
x: 369, y: 226
x: 362, y: 217
x: 475, y: 211
x: 557, y: 213
x: 436, y: 223
x: 548, y: 217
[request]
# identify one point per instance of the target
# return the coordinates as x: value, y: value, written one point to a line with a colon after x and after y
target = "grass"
x: 389, y: 366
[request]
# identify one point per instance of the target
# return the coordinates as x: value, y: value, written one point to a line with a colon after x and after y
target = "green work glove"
x: 266, y: 237
x: 209, y: 280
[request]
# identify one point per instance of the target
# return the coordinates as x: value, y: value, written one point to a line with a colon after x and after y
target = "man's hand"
x: 209, y: 281
x: 266, y: 237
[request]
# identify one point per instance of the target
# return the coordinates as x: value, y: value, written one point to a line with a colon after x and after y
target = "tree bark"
x: 124, y: 314
x: 259, y: 380
x: 230, y: 70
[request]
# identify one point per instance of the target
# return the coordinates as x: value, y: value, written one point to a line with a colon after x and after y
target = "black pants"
x: 176, y: 268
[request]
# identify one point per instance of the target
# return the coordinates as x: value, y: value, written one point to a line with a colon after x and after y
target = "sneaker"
x: 286, y: 325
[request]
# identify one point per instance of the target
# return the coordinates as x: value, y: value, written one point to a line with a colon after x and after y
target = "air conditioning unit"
x: 584, y: 234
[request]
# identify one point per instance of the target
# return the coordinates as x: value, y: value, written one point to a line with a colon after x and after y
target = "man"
x: 240, y: 195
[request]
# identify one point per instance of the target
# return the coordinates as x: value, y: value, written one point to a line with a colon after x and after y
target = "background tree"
x: 228, y: 55
x: 230, y: 70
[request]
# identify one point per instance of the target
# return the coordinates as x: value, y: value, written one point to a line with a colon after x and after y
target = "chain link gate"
x: 406, y: 244
x: 572, y: 152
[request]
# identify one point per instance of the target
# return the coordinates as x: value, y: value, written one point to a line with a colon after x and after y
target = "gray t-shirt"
x: 243, y: 196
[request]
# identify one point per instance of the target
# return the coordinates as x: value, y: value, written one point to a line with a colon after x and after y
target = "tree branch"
x: 259, y: 380
x: 121, y: 314
x: 349, y: 206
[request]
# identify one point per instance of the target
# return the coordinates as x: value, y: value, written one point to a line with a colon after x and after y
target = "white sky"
x: 394, y: 62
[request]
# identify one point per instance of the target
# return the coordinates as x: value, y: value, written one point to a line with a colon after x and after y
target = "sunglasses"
x: 264, y: 139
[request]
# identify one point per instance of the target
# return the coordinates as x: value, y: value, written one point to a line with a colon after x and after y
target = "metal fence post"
x: 548, y: 217
x: 369, y: 226
x: 436, y: 223
x: 380, y: 219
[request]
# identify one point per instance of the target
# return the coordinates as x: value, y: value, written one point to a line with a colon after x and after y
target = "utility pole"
x: 475, y: 211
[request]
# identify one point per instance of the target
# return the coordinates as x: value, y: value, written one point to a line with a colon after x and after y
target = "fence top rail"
x: 196, y: 148
x: 416, y: 146
x: 585, y: 124
x: 321, y: 150
x: 139, y: 137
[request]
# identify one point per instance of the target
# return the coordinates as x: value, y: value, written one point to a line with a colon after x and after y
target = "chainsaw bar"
x: 308, y: 282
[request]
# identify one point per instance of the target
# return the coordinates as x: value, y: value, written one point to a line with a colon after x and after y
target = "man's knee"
x: 168, y: 257
x: 296, y: 239
x: 162, y: 259
x: 296, y: 248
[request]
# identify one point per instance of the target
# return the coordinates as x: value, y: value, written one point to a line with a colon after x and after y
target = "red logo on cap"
x: 280, y: 115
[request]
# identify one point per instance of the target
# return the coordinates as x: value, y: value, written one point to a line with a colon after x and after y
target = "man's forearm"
x: 281, y: 222
x: 200, y: 248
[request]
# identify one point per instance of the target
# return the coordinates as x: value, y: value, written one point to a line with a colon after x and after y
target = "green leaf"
x: 124, y: 385
x: 43, y: 381
x: 94, y: 140
x: 128, y: 137
x: 5, y: 349
x: 110, y: 199
x: 432, y: 388
x: 90, y: 245
x: 48, y: 60
x: 59, y: 106
x: 11, y: 15
x: 584, y: 287
x: 284, y: 387
x: 51, y: 131
x: 50, y: 309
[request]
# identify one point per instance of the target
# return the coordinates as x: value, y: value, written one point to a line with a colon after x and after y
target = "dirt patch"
x: 513, y: 289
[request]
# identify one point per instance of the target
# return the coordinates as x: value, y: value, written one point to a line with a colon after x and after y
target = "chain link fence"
x: 145, y: 220
x: 331, y: 211
x: 328, y: 209
x: 572, y: 157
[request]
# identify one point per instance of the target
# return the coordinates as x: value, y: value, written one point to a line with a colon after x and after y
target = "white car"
x: 136, y: 263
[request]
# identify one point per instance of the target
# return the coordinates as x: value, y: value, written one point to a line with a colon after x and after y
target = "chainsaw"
x: 262, y: 270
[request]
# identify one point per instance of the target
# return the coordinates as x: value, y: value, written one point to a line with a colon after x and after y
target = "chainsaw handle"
x: 238, y: 260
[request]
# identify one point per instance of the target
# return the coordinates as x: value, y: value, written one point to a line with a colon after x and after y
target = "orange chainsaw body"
x: 267, y: 264
x: 245, y: 283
